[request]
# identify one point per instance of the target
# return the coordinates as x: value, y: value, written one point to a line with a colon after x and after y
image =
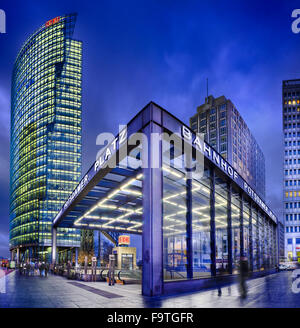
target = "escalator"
x: 121, y: 276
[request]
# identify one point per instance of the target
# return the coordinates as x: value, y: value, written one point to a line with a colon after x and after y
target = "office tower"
x: 45, y: 150
x: 291, y: 181
x: 226, y: 131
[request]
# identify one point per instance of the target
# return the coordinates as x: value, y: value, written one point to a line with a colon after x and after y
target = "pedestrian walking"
x: 27, y: 268
x: 42, y: 269
x: 243, y: 273
x: 36, y: 267
x: 111, y: 270
x: 69, y: 270
x: 219, y: 279
x: 46, y: 269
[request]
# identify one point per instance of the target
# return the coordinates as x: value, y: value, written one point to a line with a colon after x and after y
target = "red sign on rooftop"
x: 52, y: 21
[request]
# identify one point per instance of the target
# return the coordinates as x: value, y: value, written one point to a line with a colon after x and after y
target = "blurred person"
x: 46, y: 269
x: 69, y: 269
x: 27, y: 268
x: 243, y: 275
x: 111, y: 270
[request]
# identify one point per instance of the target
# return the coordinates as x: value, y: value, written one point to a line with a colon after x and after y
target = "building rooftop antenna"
x: 207, y: 87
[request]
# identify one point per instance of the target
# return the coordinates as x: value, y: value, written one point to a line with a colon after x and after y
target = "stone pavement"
x: 55, y: 292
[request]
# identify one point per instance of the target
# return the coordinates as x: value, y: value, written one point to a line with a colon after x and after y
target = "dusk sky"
x: 138, y: 51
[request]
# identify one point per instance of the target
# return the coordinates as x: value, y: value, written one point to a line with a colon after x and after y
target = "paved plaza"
x: 55, y: 292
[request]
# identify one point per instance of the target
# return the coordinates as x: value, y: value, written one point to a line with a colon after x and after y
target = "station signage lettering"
x: 211, y: 154
x: 110, y: 150
x: 208, y: 151
x: 78, y: 189
x: 258, y: 200
x: 74, y: 194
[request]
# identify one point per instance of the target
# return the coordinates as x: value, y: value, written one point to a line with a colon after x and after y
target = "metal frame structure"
x: 107, y: 190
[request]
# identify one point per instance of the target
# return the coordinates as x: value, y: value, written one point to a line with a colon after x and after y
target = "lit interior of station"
x: 195, y: 223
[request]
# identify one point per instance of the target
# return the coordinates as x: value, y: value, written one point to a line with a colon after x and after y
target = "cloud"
x: 4, y: 250
x: 4, y: 112
x: 251, y: 89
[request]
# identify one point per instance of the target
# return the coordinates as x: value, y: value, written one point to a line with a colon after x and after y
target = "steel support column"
x: 189, y: 226
x: 229, y: 227
x: 18, y: 255
x: 76, y: 256
x: 212, y: 223
x: 54, y: 242
x: 250, y: 239
x: 152, y: 278
x: 241, y: 226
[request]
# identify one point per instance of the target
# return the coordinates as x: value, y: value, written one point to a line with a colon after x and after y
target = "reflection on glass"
x: 255, y: 243
x: 186, y: 205
x: 221, y: 196
x: 246, y: 221
x: 235, y: 224
x: 261, y: 241
x: 201, y: 224
x: 174, y: 219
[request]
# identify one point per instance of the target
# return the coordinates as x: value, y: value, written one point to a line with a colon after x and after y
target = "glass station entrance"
x: 195, y: 214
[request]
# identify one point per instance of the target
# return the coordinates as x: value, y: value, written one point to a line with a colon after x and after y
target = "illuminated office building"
x: 291, y: 180
x: 226, y: 131
x: 45, y: 150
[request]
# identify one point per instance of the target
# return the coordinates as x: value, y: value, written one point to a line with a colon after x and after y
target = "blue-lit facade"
x: 45, y: 149
x: 291, y: 176
x: 195, y: 223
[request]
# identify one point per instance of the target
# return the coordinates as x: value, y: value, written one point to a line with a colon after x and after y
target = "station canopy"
x: 114, y: 203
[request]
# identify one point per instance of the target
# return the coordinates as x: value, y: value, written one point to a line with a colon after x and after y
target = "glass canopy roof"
x: 115, y: 203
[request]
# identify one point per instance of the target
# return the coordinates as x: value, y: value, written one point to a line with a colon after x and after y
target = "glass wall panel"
x: 246, y: 233
x: 201, y: 224
x: 261, y: 240
x: 174, y: 218
x: 268, y: 243
x: 176, y: 188
x: 274, y: 245
x: 255, y: 244
x: 221, y: 198
x: 236, y: 235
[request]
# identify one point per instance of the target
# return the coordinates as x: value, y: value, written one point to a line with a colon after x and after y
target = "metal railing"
x: 80, y: 273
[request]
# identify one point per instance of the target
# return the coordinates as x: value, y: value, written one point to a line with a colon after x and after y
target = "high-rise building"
x: 226, y: 131
x: 45, y: 150
x: 291, y: 180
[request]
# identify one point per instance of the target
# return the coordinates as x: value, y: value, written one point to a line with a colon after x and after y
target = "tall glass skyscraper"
x: 45, y: 150
x: 291, y: 181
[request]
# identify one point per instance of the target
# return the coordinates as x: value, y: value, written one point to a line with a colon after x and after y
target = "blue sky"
x: 137, y: 51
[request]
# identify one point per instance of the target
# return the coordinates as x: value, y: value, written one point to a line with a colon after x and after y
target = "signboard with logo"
x: 124, y: 240
x: 52, y: 21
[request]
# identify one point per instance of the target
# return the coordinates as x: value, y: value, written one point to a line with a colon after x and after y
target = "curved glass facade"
x: 45, y: 151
